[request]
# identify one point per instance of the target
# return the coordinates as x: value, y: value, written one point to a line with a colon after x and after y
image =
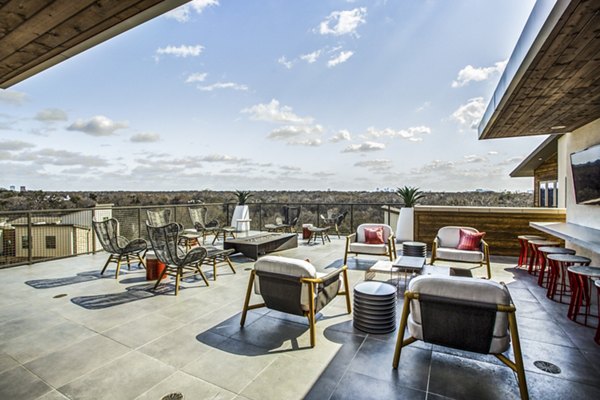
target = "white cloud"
x: 179, y: 51
x: 15, y: 145
x: 51, y: 115
x: 343, y: 22
x: 342, y: 135
x: 196, y: 77
x: 492, y: 152
x: 223, y: 158
x: 364, y: 147
x: 471, y: 73
x: 413, y: 133
x: 289, y: 131
x: 12, y: 97
x: 97, y: 126
x: 62, y: 158
x: 423, y: 106
x: 469, y: 114
x: 435, y: 166
x: 183, y: 13
x: 223, y: 85
x: 273, y: 112
x: 306, y: 142
x: 511, y: 161
x: 285, y: 62
x: 375, y: 165
x: 311, y: 57
x: 474, y: 158
x: 147, y: 137
x: 342, y: 57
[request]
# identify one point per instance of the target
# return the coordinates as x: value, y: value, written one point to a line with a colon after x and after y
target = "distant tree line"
x: 41, y: 200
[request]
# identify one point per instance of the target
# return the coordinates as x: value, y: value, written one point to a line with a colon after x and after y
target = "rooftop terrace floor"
x: 117, y: 339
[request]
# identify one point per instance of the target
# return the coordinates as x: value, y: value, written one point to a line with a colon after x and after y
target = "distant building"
x: 23, y: 189
x: 12, y: 187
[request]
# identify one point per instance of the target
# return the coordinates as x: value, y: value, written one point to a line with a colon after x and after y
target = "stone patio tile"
x: 358, y: 386
x: 63, y: 366
x: 232, y: 366
x: 124, y: 378
x: 142, y: 330
x: 18, y: 383
x: 191, y: 388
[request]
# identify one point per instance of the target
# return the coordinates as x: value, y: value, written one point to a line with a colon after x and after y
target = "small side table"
x: 375, y: 307
x: 318, y: 232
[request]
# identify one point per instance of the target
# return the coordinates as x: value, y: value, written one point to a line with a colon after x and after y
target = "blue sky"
x: 224, y: 94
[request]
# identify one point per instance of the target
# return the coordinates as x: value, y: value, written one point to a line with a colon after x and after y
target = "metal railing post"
x: 29, y: 239
x: 260, y: 224
x: 139, y: 215
x: 351, y: 217
x: 318, y: 213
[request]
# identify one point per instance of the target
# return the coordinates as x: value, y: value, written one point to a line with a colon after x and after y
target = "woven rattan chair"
x: 118, y: 247
x: 291, y: 215
x: 198, y: 216
x: 295, y: 287
x: 178, y: 262
x: 468, y: 314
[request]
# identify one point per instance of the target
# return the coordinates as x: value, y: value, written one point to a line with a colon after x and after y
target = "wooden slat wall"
x: 548, y: 171
x: 501, y: 227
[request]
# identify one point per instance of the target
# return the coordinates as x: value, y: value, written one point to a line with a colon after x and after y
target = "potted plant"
x: 406, y: 219
x: 241, y: 213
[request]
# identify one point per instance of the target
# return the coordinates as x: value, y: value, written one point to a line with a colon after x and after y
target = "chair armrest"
x: 484, y: 246
x: 351, y: 238
x: 327, y: 277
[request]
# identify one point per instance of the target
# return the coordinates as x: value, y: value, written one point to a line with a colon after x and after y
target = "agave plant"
x: 409, y: 195
x: 242, y: 196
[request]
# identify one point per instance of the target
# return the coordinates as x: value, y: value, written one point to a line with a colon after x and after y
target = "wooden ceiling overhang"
x: 37, y: 34
x: 547, y: 149
x: 556, y: 89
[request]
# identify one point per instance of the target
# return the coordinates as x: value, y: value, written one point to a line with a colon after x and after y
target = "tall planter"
x: 405, y: 226
x: 241, y: 213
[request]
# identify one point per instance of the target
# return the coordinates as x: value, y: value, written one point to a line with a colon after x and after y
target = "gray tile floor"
x: 67, y: 332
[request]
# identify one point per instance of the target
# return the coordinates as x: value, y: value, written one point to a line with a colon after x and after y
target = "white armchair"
x: 447, y: 247
x: 361, y: 241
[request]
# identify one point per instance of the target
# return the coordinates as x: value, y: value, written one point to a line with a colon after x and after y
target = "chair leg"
x: 311, y: 310
x: 142, y: 261
x: 178, y: 279
x: 202, y: 275
x: 110, y: 257
x: 247, y: 300
x: 401, y: 329
x: 118, y: 267
x: 520, y: 368
x: 230, y: 264
x: 215, y: 269
x: 160, y: 277
x: 347, y: 291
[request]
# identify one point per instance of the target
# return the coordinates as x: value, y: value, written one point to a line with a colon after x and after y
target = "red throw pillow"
x: 374, y: 235
x: 470, y: 240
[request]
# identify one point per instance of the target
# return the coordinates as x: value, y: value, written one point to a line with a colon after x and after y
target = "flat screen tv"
x: 585, y: 165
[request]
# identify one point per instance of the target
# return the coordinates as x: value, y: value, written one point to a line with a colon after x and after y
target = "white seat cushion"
x: 286, y: 266
x: 379, y: 249
x: 462, y: 288
x: 459, y: 255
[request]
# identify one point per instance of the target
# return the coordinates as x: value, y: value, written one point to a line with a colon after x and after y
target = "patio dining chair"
x: 462, y: 313
x: 178, y: 262
x: 198, y: 216
x: 295, y: 287
x: 291, y: 215
x: 335, y: 219
x: 118, y: 247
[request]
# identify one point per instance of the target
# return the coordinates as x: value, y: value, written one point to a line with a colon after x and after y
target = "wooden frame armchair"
x: 117, y: 246
x: 445, y: 248
x: 475, y: 315
x: 356, y: 243
x: 178, y: 262
x: 295, y: 287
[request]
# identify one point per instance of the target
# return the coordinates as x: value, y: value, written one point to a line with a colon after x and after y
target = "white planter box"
x: 405, y: 226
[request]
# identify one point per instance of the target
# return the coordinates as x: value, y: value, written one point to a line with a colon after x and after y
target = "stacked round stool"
x: 375, y: 307
x: 543, y: 255
x: 414, y: 249
x: 558, y: 280
x: 534, y: 261
x: 581, y: 278
x: 524, y: 242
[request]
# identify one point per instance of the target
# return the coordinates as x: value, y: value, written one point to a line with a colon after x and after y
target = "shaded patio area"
x: 67, y: 332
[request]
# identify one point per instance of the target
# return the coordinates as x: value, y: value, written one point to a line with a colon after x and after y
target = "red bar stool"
x: 534, y: 262
x: 524, y: 242
x: 543, y: 255
x: 581, y: 278
x: 597, y: 337
x: 558, y: 277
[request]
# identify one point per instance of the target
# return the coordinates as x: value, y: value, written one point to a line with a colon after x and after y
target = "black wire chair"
x: 178, y: 262
x: 117, y: 246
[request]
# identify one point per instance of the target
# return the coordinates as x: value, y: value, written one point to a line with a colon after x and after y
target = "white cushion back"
x: 360, y: 231
x: 285, y: 266
x: 450, y: 235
